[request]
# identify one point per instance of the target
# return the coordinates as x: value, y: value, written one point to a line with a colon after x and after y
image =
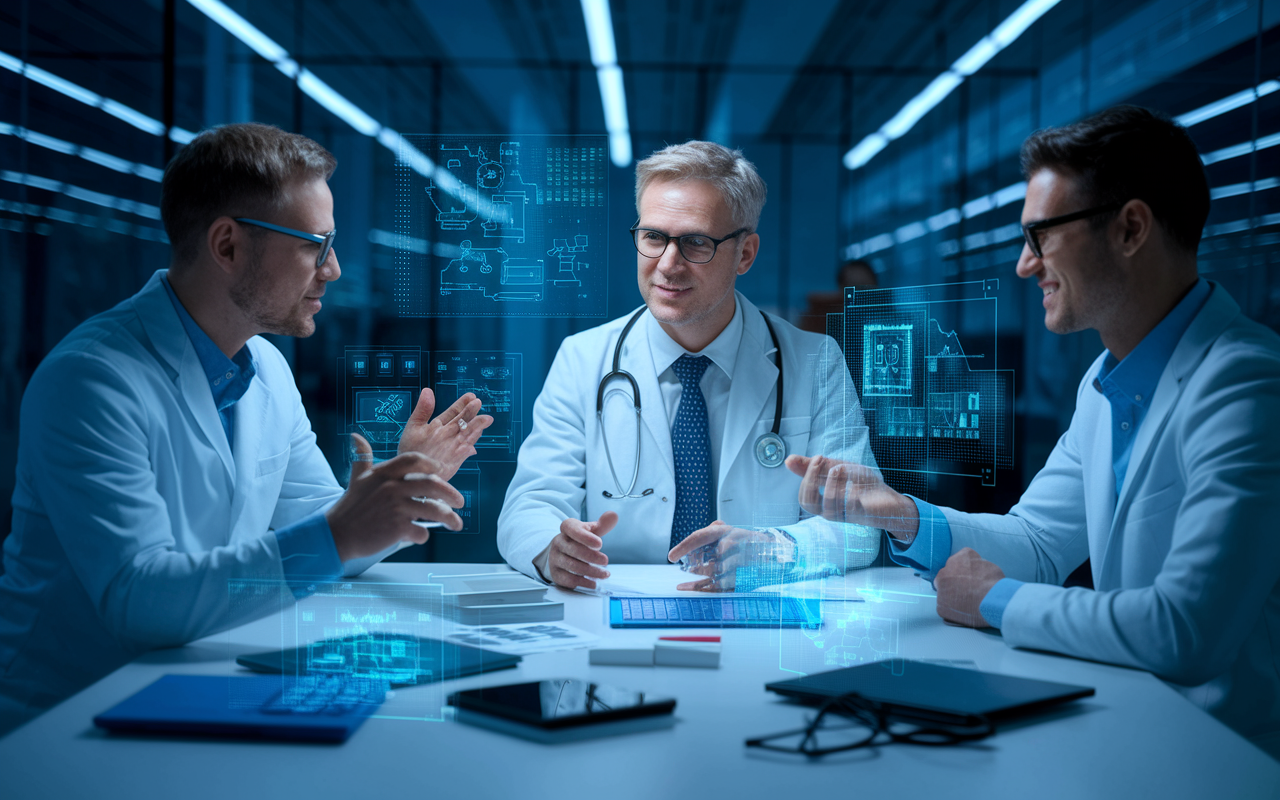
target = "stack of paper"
x: 493, y: 598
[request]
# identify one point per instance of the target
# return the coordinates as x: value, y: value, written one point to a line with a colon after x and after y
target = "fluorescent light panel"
x: 90, y: 98
x: 1228, y: 103
x: 87, y: 153
x: 80, y: 193
x: 340, y: 106
x: 613, y: 95
x: 973, y: 60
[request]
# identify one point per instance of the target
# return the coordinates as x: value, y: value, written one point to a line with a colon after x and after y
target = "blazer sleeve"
x: 1224, y: 558
x: 1045, y: 536
x: 85, y: 426
x: 549, y: 485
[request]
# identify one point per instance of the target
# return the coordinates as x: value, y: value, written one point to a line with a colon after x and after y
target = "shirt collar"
x: 220, y: 371
x: 723, y: 350
x: 1137, y: 375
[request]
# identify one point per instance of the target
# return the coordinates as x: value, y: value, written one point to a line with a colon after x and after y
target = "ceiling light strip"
x: 345, y: 110
x: 87, y: 153
x: 975, y: 59
x: 613, y: 95
x: 90, y: 98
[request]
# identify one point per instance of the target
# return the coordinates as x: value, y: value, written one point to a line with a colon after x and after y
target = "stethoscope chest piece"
x: 771, y: 451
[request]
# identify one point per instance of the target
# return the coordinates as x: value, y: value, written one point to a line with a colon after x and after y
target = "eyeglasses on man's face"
x: 324, y: 240
x: 696, y: 248
x: 1031, y: 231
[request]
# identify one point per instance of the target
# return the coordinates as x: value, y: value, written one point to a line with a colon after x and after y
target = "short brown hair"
x: 238, y: 170
x: 1130, y: 153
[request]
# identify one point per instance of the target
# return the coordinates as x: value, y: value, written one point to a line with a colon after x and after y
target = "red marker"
x: 689, y: 638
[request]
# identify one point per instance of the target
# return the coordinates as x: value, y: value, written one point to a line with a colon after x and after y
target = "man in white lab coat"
x: 164, y: 449
x: 662, y: 431
x: 1167, y: 480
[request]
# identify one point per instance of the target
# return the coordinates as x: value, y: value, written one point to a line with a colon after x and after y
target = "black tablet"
x: 561, y: 703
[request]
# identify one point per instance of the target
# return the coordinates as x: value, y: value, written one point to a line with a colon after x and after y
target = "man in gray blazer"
x: 1168, y: 479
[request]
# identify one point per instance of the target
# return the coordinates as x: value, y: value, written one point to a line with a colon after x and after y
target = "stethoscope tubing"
x: 618, y: 372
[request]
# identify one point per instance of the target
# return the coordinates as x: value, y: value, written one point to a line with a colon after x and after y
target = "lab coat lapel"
x: 251, y: 420
x: 637, y: 358
x: 173, y: 347
x: 754, y: 377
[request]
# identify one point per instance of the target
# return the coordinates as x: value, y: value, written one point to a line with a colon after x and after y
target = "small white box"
x: 622, y: 656
x: 687, y: 654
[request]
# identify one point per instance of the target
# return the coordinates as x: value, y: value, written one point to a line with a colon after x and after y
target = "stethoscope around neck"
x: 771, y: 451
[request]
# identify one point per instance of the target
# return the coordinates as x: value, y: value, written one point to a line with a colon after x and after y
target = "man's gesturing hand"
x: 443, y: 438
x: 845, y: 492
x: 575, y: 557
x: 381, y: 502
x: 962, y: 585
x: 719, y: 550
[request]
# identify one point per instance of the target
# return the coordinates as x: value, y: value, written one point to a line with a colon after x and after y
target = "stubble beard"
x: 250, y: 294
x: 1097, y: 297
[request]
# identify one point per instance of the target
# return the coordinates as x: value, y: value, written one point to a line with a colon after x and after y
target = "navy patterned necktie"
x: 691, y: 446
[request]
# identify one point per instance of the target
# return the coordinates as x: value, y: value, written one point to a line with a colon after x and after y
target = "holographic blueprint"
x: 517, y: 227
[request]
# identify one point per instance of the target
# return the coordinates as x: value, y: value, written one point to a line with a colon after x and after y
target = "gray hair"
x: 727, y: 170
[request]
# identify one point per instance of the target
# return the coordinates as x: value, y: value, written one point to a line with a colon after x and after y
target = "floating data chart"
x: 516, y: 226
x: 378, y: 389
x: 382, y: 635
x: 924, y: 360
x: 494, y: 377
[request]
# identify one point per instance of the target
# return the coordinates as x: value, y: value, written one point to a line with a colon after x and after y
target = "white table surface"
x: 1135, y: 738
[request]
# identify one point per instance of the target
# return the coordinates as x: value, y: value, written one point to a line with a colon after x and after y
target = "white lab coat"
x: 563, y: 471
x: 131, y: 512
x: 1186, y: 561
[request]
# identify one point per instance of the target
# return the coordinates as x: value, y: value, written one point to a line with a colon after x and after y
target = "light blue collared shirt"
x: 1128, y: 385
x: 307, y: 549
x: 229, y: 378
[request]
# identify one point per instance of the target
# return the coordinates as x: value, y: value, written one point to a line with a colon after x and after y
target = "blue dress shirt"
x: 307, y: 549
x: 1128, y: 386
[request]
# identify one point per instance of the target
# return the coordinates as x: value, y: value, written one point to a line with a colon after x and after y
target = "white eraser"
x: 622, y: 656
x: 687, y: 654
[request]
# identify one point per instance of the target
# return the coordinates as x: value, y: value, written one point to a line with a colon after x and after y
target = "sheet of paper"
x: 521, y: 638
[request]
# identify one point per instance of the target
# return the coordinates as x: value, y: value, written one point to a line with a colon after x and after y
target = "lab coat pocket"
x: 270, y: 464
x: 794, y: 430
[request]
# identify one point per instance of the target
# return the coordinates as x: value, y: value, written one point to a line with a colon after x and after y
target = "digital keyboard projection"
x: 361, y: 633
x: 516, y: 227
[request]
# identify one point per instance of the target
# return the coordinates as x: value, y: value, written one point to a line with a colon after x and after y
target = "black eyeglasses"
x: 694, y: 247
x: 324, y: 240
x: 1031, y: 231
x: 873, y: 723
